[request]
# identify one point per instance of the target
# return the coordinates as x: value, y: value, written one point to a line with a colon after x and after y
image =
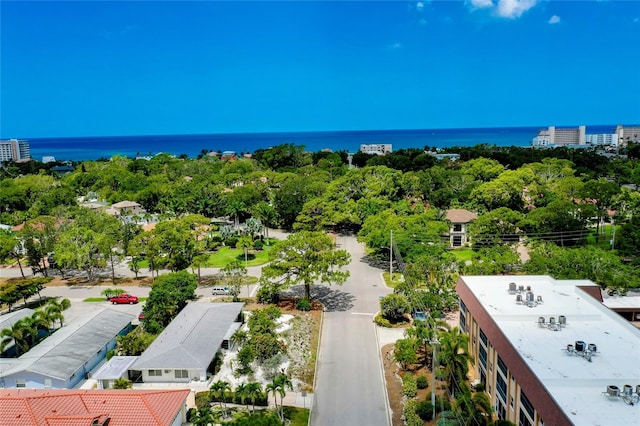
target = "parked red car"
x: 124, y: 298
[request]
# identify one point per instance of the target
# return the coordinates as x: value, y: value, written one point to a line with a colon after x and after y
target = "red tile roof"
x: 78, y: 407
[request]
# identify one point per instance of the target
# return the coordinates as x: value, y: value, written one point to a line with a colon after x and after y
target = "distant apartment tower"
x: 14, y: 150
x: 567, y: 136
x: 376, y: 148
x: 628, y: 134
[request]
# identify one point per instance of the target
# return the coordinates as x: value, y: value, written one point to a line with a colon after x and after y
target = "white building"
x: 549, y: 352
x: 602, y: 139
x: 14, y: 150
x: 376, y: 148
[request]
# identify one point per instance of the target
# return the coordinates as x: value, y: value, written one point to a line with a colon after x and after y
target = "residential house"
x: 459, y: 220
x: 116, y: 368
x: 65, y: 358
x: 84, y: 407
x: 187, y: 347
x: 127, y: 208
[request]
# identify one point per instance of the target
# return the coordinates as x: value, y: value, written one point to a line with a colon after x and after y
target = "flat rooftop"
x: 573, y: 382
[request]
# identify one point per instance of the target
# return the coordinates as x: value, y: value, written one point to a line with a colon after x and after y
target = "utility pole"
x: 435, y: 344
x: 391, y: 258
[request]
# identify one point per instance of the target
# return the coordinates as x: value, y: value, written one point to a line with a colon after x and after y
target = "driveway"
x: 349, y: 387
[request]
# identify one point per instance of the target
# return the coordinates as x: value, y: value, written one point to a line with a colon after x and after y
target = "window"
x: 155, y: 372
x: 502, y: 367
x: 523, y: 420
x: 483, y: 337
x: 47, y: 383
x: 457, y: 241
x: 511, y: 402
x: 181, y: 374
x: 457, y: 227
x: 463, y: 322
x: 501, y: 387
x: 483, y: 356
x: 526, y: 404
x: 463, y: 307
x: 21, y: 383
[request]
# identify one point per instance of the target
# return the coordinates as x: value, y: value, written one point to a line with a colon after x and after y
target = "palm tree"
x: 475, y: 408
x: 274, y: 388
x: 285, y: 383
x: 43, y: 321
x: 53, y: 306
x: 204, y: 417
x: 218, y: 390
x: 245, y: 243
x: 254, y: 390
x: 241, y: 391
x: 454, y: 359
x: 18, y: 335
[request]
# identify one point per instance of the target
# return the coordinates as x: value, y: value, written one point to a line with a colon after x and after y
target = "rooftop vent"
x: 539, y: 299
x: 541, y: 321
x: 521, y: 288
x: 592, y: 347
x: 613, y: 390
x: 518, y: 298
x: 512, y: 288
x: 580, y: 346
x: 562, y: 320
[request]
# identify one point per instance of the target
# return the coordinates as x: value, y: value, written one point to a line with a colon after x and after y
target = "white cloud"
x: 394, y: 46
x: 514, y: 8
x: 481, y: 4
x: 555, y: 19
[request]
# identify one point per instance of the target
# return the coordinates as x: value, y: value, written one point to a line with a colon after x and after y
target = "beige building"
x: 459, y: 220
x: 549, y: 352
x: 628, y: 134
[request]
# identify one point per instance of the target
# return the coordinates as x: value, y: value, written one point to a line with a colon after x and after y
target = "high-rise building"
x: 14, y: 150
x: 549, y: 352
x: 628, y: 134
x: 567, y: 136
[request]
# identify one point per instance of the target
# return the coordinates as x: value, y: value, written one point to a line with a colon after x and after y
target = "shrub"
x: 411, y: 418
x: 231, y: 241
x: 202, y: 399
x: 409, y: 385
x: 442, y: 403
x: 258, y: 245
x: 382, y: 321
x: 303, y: 305
x: 479, y: 387
x: 245, y: 357
x: 271, y: 366
x: 424, y: 409
x: 268, y: 294
x: 273, y: 312
x: 422, y: 382
x: 394, y: 306
x: 265, y: 346
x: 191, y: 412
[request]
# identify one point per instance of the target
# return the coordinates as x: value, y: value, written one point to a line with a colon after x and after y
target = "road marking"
x: 361, y: 313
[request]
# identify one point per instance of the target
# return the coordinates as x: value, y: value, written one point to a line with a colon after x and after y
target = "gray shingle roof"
x: 65, y: 351
x: 192, y: 339
x: 7, y: 320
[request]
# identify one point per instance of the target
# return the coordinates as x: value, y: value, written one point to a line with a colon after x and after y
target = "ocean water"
x: 93, y: 148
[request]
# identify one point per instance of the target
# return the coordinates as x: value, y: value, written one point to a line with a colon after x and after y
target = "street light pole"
x: 435, y: 344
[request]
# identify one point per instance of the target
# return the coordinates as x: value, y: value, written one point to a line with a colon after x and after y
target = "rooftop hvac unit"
x: 541, y: 321
x: 592, y: 347
x: 580, y: 346
x: 518, y: 298
x: 570, y: 348
x: 521, y: 288
x: 530, y: 296
x: 613, y: 390
x: 528, y: 288
x: 562, y: 320
x: 627, y: 390
x: 637, y: 389
x: 552, y: 320
x: 512, y: 288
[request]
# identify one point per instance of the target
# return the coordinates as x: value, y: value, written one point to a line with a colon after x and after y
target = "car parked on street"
x: 220, y: 290
x: 124, y: 298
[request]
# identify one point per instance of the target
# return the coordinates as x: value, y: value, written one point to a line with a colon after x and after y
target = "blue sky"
x: 88, y: 68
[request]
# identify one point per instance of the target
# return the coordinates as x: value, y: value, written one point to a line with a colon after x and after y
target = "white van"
x: 219, y: 290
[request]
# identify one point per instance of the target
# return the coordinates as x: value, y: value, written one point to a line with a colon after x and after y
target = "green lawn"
x: 298, y: 416
x: 463, y: 254
x: 397, y: 278
x: 226, y: 255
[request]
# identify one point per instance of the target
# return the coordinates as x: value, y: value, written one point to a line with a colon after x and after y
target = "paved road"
x: 349, y: 383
